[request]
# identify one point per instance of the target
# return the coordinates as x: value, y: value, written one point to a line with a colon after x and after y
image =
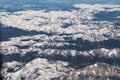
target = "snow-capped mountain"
x: 74, y: 44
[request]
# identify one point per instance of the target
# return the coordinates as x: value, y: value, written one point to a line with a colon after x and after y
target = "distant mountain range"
x: 58, y: 1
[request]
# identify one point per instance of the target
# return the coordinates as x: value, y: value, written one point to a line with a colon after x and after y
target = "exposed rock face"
x: 60, y: 45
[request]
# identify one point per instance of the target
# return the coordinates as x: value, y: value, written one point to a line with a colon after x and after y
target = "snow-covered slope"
x: 60, y: 45
x: 96, y: 71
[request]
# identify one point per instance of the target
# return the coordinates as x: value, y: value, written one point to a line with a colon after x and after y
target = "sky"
x: 58, y: 1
